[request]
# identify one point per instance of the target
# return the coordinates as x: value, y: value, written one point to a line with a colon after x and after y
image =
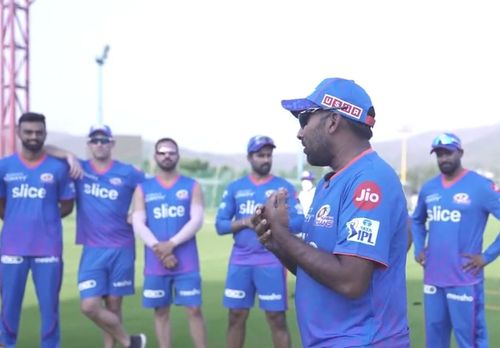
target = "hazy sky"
x: 194, y: 69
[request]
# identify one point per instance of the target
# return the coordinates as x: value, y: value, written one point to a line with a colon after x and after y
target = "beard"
x: 448, y: 168
x: 263, y: 170
x: 167, y: 166
x: 33, y: 145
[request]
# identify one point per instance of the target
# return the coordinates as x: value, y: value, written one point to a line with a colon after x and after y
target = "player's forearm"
x: 141, y: 230
x: 324, y: 267
x: 418, y: 232
x: 493, y: 251
x: 190, y: 228
x: 66, y: 207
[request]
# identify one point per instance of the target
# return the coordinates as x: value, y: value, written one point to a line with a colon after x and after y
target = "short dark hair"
x: 31, y: 117
x: 170, y: 140
x: 361, y: 130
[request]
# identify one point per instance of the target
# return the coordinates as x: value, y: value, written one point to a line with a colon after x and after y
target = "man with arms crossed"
x: 252, y: 269
x: 35, y: 192
x: 350, y: 267
x: 455, y: 206
x: 168, y: 212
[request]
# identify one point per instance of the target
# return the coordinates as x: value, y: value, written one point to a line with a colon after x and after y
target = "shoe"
x: 138, y: 341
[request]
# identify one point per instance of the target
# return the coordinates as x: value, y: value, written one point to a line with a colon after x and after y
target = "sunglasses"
x: 306, y: 114
x: 164, y: 153
x: 445, y: 139
x: 103, y: 141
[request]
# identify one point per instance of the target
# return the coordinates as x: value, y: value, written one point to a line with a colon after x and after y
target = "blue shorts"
x: 243, y: 282
x: 460, y: 308
x: 159, y: 290
x: 106, y: 271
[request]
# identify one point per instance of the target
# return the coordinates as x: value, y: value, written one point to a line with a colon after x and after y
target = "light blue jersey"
x: 239, y: 201
x: 359, y: 211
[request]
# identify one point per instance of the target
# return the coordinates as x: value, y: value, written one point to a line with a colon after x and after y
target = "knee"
x: 194, y: 312
x: 277, y: 320
x: 89, y: 308
x: 162, y: 313
x: 238, y: 316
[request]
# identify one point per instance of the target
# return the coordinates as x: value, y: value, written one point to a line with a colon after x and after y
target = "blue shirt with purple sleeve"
x: 102, y: 205
x: 359, y: 211
x: 449, y: 221
x: 168, y: 208
x: 32, y: 191
x: 239, y: 201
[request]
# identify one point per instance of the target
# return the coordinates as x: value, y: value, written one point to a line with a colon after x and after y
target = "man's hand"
x: 163, y: 249
x: 170, y: 261
x: 75, y: 168
x: 474, y: 264
x: 420, y: 258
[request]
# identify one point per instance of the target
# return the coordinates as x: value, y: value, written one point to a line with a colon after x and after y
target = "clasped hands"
x: 164, y: 251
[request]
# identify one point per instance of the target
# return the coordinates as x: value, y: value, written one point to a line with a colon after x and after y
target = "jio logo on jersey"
x: 367, y: 195
x: 438, y: 214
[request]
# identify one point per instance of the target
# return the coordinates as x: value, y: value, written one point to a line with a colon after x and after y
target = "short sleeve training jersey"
x: 103, y: 201
x: 32, y: 191
x: 240, y: 200
x: 454, y: 214
x: 360, y: 211
x: 168, y: 209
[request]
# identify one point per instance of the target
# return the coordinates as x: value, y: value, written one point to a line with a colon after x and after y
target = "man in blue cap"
x: 448, y: 226
x: 350, y: 267
x: 252, y: 269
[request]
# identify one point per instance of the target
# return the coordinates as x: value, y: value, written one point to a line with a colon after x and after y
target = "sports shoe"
x: 138, y: 341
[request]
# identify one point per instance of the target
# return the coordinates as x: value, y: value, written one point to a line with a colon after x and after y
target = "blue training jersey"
x: 32, y: 191
x: 168, y: 209
x: 102, y: 204
x: 453, y: 216
x: 239, y: 201
x: 359, y: 211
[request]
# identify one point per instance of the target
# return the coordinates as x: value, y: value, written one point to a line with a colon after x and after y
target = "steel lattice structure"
x: 14, y: 72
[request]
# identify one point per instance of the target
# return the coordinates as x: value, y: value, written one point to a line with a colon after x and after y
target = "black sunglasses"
x: 306, y: 114
x: 164, y: 153
x: 103, y: 141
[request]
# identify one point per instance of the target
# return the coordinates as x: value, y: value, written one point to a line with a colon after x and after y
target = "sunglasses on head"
x: 306, y: 114
x: 445, y: 139
x: 98, y: 140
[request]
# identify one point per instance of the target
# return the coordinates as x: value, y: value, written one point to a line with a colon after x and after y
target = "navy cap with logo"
x: 448, y: 141
x: 258, y: 142
x: 100, y: 128
x: 345, y: 96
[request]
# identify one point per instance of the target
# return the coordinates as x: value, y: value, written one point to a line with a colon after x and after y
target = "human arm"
x: 224, y: 220
x: 75, y: 167
x: 475, y: 262
x: 141, y: 230
x: 2, y: 208
x: 410, y: 238
x: 66, y: 207
x: 418, y: 229
x: 345, y: 274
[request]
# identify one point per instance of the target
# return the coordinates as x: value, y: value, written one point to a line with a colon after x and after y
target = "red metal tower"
x: 14, y: 69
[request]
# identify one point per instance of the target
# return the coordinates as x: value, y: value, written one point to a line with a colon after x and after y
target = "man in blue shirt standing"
x: 448, y: 226
x: 350, y: 267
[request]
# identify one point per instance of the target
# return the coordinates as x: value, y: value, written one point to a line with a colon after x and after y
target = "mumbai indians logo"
x: 269, y: 193
x: 461, y: 198
x: 322, y: 218
x: 47, y: 177
x: 115, y: 181
x: 182, y: 194
x: 347, y: 108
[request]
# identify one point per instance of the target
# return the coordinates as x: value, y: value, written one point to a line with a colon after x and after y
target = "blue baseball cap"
x: 447, y: 141
x: 307, y: 175
x: 258, y: 142
x: 345, y: 96
x: 101, y: 128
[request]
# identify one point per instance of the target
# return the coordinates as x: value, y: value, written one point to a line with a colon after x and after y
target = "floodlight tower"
x: 100, y: 60
x: 14, y: 69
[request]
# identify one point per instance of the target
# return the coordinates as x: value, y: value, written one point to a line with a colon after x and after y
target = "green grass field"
x: 78, y: 331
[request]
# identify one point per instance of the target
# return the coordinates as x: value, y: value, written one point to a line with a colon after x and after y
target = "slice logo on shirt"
x: 322, y: 219
x: 367, y: 195
x: 116, y: 181
x: 363, y: 230
x: 182, y: 194
x: 461, y: 198
x: 47, y: 177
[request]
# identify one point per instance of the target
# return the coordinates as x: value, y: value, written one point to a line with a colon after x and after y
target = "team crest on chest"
x: 116, y: 181
x: 322, y: 218
x: 461, y: 198
x: 47, y: 178
x: 182, y: 194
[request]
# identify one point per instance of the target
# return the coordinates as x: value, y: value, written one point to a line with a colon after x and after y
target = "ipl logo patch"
x: 363, y: 230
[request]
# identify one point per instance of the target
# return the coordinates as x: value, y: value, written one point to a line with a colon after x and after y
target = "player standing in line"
x: 350, y: 268
x: 252, y: 269
x: 106, y: 273
x: 168, y: 212
x: 35, y: 192
x: 455, y: 205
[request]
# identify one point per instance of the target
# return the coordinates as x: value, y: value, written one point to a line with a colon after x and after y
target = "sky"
x: 211, y: 74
